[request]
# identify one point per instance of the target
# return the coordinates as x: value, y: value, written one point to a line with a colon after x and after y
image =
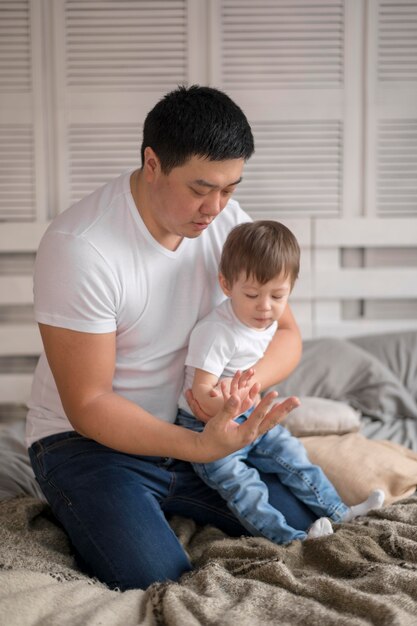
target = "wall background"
x: 329, y: 86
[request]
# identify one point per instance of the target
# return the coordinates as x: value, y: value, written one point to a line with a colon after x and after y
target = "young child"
x: 258, y: 269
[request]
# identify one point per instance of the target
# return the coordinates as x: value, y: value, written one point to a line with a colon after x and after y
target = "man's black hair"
x: 196, y: 121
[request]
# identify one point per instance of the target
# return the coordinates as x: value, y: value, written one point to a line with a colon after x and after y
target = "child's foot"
x: 375, y: 500
x: 320, y: 528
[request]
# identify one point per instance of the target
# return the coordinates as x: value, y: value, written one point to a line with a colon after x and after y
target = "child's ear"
x: 224, y: 285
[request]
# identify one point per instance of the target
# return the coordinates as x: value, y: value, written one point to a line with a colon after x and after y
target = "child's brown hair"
x: 263, y: 249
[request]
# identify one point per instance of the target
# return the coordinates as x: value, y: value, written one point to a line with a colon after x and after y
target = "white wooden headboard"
x: 358, y: 276
x: 20, y: 342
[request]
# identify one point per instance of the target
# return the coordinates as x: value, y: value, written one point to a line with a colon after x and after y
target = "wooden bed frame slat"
x: 20, y: 340
x: 15, y: 388
x: 21, y: 237
x: 16, y: 290
x: 369, y: 283
x: 356, y: 232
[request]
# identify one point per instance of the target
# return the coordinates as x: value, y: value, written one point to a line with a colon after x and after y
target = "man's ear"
x: 151, y: 164
x: 225, y: 287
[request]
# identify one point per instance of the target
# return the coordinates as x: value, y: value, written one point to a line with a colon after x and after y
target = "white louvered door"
x: 272, y: 45
x: 285, y: 62
x: 22, y: 146
x: 114, y: 60
x: 392, y: 108
x: 296, y: 170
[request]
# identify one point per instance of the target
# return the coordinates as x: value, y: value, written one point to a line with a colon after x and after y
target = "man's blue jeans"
x: 114, y: 508
x: 276, y: 452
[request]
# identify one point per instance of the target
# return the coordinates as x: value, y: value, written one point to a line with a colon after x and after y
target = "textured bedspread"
x: 366, y: 573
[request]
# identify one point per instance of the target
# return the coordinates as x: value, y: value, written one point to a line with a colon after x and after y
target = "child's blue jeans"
x: 237, y: 480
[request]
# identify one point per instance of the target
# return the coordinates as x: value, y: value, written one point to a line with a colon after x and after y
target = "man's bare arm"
x: 83, y: 367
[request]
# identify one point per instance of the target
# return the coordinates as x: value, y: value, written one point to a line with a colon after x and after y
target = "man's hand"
x: 222, y: 435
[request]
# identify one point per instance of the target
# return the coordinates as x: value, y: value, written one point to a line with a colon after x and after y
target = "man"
x: 121, y: 279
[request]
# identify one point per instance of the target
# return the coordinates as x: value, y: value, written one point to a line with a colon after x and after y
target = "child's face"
x: 256, y: 305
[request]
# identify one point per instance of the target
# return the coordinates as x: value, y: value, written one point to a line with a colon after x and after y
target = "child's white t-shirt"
x: 221, y: 344
x: 99, y: 270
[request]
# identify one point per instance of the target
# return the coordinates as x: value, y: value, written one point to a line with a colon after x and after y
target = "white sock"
x: 375, y: 500
x: 320, y: 528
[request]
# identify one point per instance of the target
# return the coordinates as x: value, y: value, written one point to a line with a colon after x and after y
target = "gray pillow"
x: 16, y: 473
x: 398, y: 351
x: 339, y: 370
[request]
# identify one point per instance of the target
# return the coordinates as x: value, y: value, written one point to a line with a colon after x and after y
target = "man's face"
x: 185, y: 201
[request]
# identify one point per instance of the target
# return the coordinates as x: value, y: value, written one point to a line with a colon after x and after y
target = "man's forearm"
x: 120, y: 424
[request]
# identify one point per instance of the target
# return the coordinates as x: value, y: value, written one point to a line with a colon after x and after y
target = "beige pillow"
x: 356, y: 465
x: 319, y: 416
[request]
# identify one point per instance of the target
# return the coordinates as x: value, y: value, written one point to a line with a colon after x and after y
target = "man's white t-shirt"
x: 99, y: 270
x: 221, y: 344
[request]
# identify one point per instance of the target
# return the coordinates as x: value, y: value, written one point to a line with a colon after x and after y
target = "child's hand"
x: 245, y: 380
x: 222, y: 435
x: 242, y: 386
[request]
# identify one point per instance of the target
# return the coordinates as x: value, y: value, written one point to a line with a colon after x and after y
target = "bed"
x: 358, y: 419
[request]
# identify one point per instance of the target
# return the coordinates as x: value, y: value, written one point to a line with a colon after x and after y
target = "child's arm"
x: 203, y: 385
x: 211, y: 403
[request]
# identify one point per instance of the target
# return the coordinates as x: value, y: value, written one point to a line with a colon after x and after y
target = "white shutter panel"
x: 17, y: 187
x: 115, y: 59
x: 392, y: 108
x: 397, y: 138
x: 283, y: 61
x: 98, y: 152
x: 17, y: 194
x: 296, y: 169
x: 397, y: 167
x: 274, y: 44
x: 397, y: 37
x: 125, y: 45
x: 15, y: 68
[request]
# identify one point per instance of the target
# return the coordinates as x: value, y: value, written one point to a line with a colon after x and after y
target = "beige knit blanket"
x: 366, y: 573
